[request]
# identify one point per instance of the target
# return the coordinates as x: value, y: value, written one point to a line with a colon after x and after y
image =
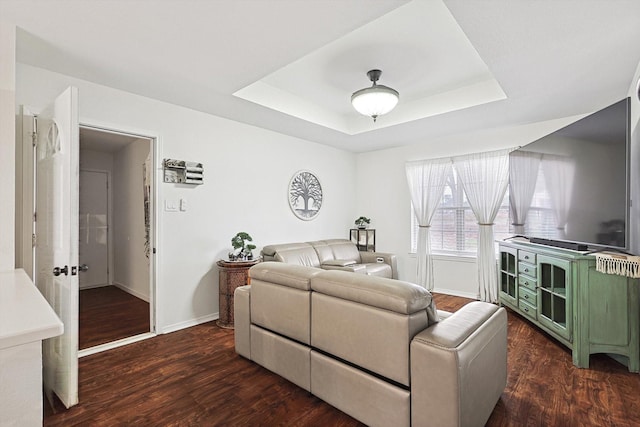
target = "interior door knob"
x: 83, y: 267
x: 64, y: 270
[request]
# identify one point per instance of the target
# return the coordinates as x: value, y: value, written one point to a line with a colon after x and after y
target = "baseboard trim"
x: 189, y: 323
x: 131, y: 291
x: 98, y: 285
x: 114, y: 344
x: 456, y: 293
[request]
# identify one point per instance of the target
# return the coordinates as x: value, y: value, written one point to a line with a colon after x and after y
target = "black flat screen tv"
x: 581, y: 175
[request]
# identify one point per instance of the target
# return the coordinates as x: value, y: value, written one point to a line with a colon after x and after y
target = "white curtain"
x: 484, y: 178
x: 559, y: 174
x: 427, y: 179
x: 524, y: 167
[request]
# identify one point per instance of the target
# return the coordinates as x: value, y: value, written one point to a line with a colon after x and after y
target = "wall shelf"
x: 183, y: 172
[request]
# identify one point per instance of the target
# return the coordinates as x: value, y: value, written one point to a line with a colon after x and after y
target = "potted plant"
x: 362, y: 222
x: 241, y: 247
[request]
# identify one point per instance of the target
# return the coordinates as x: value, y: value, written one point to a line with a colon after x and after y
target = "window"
x: 541, y: 220
x: 454, y: 228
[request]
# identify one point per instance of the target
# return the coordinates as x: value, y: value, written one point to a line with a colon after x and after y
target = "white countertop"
x: 25, y: 316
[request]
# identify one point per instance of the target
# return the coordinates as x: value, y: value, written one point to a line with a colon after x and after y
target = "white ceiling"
x: 550, y: 58
x: 430, y: 62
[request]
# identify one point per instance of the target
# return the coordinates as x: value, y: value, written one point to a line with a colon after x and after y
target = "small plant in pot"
x: 242, y: 249
x: 362, y: 222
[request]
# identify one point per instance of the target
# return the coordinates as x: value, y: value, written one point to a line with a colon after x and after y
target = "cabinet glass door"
x: 554, y: 284
x: 508, y: 275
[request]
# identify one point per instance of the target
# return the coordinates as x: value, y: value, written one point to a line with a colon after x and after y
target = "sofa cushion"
x: 280, y: 298
x: 293, y: 276
x: 323, y: 251
x: 378, y: 269
x: 306, y: 256
x: 363, y: 396
x: 291, y: 253
x: 394, y: 295
x: 271, y: 250
x: 286, y: 358
x: 375, y: 339
x: 343, y: 249
x: 458, y: 326
x: 281, y: 309
x: 338, y: 262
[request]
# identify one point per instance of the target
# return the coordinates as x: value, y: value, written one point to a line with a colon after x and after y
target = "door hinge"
x: 33, y: 240
x: 34, y: 134
x: 35, y: 216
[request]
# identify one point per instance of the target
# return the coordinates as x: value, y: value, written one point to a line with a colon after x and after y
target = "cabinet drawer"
x: 525, y: 256
x: 528, y: 295
x: 527, y: 282
x: 526, y: 268
x: 527, y: 309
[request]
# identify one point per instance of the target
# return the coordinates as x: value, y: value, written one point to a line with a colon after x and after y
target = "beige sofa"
x: 333, y: 254
x: 375, y: 348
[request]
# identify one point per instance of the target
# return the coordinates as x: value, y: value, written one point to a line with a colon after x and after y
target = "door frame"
x: 153, y: 234
x: 25, y: 192
x: 25, y: 200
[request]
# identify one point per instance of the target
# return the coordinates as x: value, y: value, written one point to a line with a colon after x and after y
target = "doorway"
x: 115, y: 238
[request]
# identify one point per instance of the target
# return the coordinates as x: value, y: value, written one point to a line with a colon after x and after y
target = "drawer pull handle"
x: 526, y: 257
x: 526, y: 309
x: 526, y: 270
x: 526, y: 297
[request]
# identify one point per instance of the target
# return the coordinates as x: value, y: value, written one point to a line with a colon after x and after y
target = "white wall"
x: 7, y: 145
x: 247, y: 171
x: 96, y: 160
x: 130, y: 265
x: 383, y: 196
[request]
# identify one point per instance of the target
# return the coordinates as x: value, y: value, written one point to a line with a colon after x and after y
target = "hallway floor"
x: 108, y: 314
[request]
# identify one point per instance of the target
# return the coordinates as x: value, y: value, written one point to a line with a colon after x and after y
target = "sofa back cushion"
x: 343, y: 249
x: 293, y: 253
x: 323, y: 251
x: 336, y: 249
x: 306, y: 256
x: 388, y: 294
x: 369, y: 321
x: 281, y: 299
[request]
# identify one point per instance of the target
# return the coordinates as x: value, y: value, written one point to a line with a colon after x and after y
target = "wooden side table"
x: 363, y: 238
x: 231, y: 275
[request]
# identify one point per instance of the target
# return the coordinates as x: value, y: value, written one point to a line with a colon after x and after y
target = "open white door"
x: 57, y: 238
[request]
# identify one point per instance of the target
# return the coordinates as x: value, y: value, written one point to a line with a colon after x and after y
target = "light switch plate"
x: 170, y: 206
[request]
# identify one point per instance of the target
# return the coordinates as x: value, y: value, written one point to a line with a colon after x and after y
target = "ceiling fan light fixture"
x: 376, y: 100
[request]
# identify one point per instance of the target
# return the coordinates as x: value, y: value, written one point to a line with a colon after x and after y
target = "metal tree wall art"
x: 305, y: 195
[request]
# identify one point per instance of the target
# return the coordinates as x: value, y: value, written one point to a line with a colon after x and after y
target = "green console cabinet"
x: 560, y: 291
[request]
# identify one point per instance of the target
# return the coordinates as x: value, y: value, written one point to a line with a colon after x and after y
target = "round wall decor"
x: 305, y: 195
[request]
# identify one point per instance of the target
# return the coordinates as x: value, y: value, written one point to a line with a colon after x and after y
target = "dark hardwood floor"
x: 193, y: 377
x: 109, y: 314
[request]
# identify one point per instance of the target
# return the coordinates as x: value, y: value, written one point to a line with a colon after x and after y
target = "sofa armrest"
x: 459, y: 367
x: 390, y: 259
x: 242, y: 320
